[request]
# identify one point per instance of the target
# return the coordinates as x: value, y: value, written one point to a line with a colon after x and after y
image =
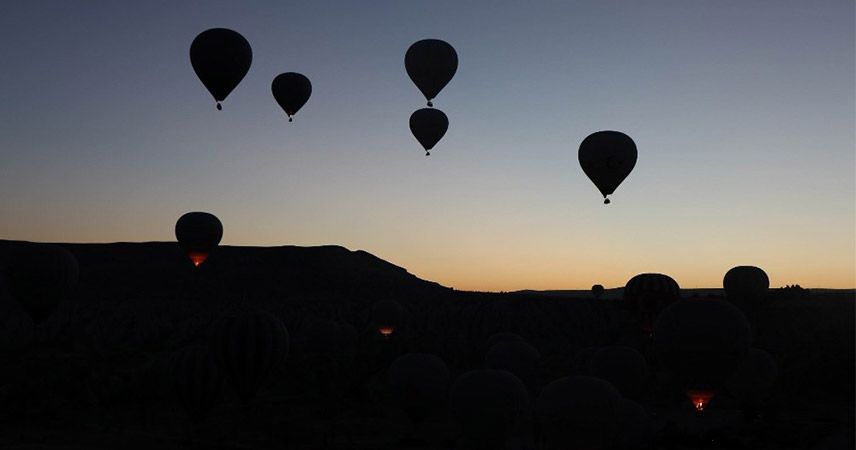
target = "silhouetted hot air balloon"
x: 196, y: 380
x: 753, y: 381
x: 517, y: 357
x: 702, y: 342
x: 428, y: 125
x: 577, y: 412
x: 248, y: 347
x: 607, y: 157
x: 291, y: 90
x: 597, y: 290
x: 647, y: 294
x: 431, y: 64
x: 635, y: 427
x: 622, y: 366
x: 487, y: 404
x: 502, y: 336
x: 387, y: 317
x: 419, y: 382
x: 221, y: 58
x: 745, y: 287
x: 198, y: 233
x: 39, y: 277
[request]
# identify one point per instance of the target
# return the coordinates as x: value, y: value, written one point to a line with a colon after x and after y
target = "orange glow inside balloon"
x: 386, y: 331
x: 197, y: 257
x: 700, y: 399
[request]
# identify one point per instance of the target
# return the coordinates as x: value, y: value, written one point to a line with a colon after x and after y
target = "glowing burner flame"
x: 386, y: 331
x: 197, y: 257
x: 700, y: 399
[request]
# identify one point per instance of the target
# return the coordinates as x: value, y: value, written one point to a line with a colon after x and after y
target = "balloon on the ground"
x: 487, y: 404
x: 647, y: 294
x: 39, y: 277
x: 517, y: 357
x: 291, y: 91
x: 753, y: 381
x: 196, y: 380
x: 221, y: 58
x: 702, y: 342
x: 607, y: 157
x: 428, y: 125
x: 577, y: 412
x: 431, y: 64
x: 419, y: 383
x: 198, y: 233
x: 635, y: 427
x: 597, y: 290
x: 622, y: 366
x: 502, y: 336
x: 249, y: 346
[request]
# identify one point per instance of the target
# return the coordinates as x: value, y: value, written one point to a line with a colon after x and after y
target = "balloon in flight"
x: 607, y: 157
x: 291, y: 91
x: 428, y: 125
x: 221, y: 58
x: 431, y: 64
x: 198, y: 233
x: 647, y: 294
x: 597, y: 290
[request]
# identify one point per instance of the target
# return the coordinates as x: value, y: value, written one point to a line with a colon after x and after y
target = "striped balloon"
x: 249, y: 346
x: 647, y: 294
x: 195, y: 380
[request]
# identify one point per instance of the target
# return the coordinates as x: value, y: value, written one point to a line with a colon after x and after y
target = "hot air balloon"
x: 487, y: 404
x: 221, y: 58
x: 745, y: 287
x: 607, y: 157
x: 597, y: 290
x: 428, y: 125
x: 198, y: 233
x: 39, y: 277
x: 577, y: 412
x: 517, y: 357
x: 702, y: 342
x: 196, y: 380
x: 291, y: 90
x: 635, y: 427
x: 647, y: 294
x: 419, y: 382
x: 248, y: 347
x: 753, y: 381
x: 502, y: 336
x: 431, y: 64
x: 387, y: 317
x: 622, y: 366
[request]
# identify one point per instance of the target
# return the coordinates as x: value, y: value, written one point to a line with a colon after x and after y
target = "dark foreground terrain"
x: 98, y: 373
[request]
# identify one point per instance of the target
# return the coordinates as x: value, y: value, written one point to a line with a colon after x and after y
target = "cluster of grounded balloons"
x: 222, y: 57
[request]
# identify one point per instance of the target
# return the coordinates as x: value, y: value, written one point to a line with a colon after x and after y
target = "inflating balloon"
x: 198, y: 233
x: 502, y: 336
x: 607, y: 157
x: 622, y: 366
x: 291, y: 90
x: 419, y: 383
x: 702, y: 342
x: 487, y: 404
x: 221, y: 58
x: 517, y: 357
x: 577, y: 412
x: 39, y: 277
x: 647, y: 294
x: 597, y: 290
x: 428, y: 125
x: 387, y: 317
x: 431, y: 64
x: 248, y: 347
x: 745, y: 287
x: 753, y: 381
x: 196, y: 380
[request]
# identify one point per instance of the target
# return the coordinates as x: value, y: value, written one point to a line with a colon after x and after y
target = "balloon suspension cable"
x: 606, y: 201
x: 430, y: 105
x: 219, y: 106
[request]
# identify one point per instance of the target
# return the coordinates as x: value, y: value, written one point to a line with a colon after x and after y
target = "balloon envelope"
x: 647, y: 294
x: 577, y: 412
x: 428, y: 125
x: 221, y: 58
x: 487, y: 404
x: 291, y: 90
x: 198, y: 233
x: 607, y: 157
x: 597, y: 290
x: 419, y: 382
x: 431, y: 64
x: 622, y: 366
x: 39, y: 277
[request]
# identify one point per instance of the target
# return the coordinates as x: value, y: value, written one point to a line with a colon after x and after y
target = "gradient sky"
x: 742, y: 111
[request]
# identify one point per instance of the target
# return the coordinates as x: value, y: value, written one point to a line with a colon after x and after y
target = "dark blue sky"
x: 743, y: 113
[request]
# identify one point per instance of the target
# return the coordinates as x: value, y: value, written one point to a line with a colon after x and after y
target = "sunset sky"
x: 742, y: 111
